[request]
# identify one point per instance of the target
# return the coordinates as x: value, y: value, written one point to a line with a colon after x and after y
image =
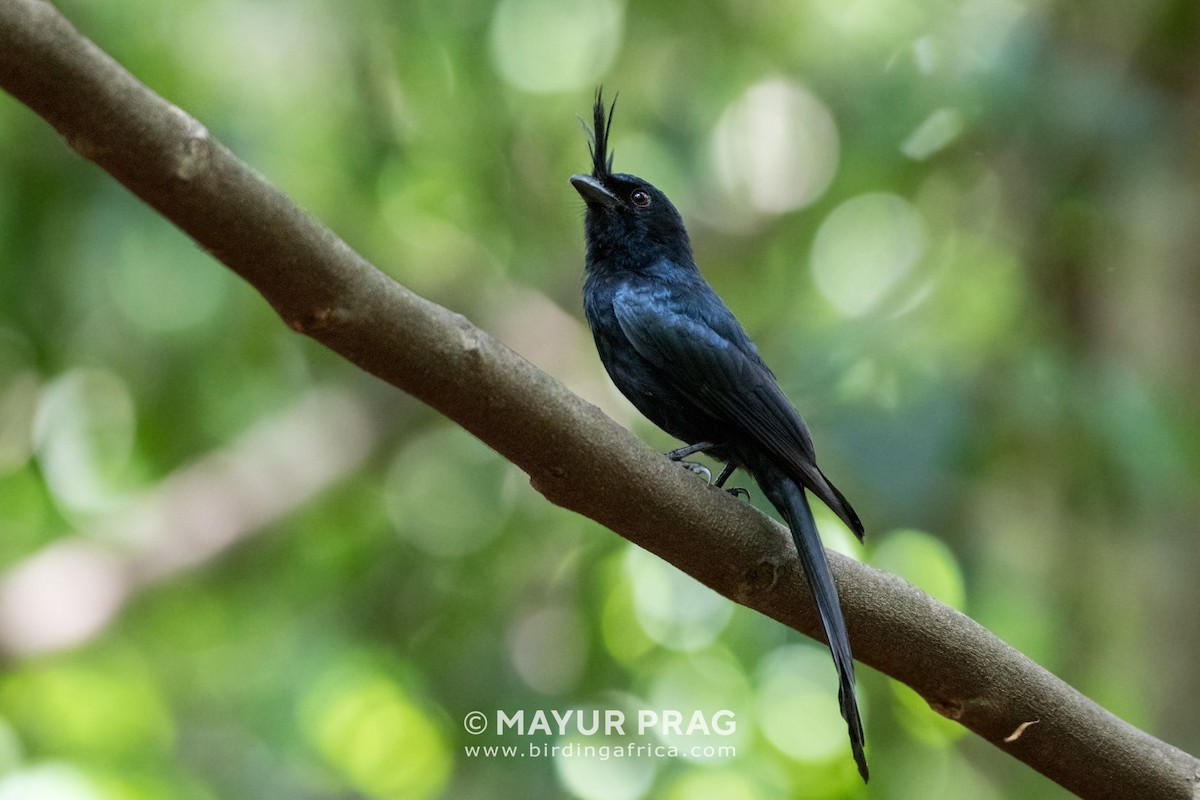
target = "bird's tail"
x: 789, y: 498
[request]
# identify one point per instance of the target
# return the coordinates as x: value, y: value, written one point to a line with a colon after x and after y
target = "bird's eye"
x: 640, y: 197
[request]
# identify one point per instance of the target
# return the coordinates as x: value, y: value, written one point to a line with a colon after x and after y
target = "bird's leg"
x: 691, y: 449
x: 683, y: 452
x: 724, y: 476
x: 736, y: 491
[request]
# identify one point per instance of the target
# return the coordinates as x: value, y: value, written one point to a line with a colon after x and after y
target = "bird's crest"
x: 598, y: 137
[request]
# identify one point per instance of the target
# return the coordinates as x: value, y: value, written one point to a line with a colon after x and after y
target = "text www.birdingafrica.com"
x: 602, y: 752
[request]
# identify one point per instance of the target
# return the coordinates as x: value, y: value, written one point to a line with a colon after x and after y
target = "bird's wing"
x: 690, y: 335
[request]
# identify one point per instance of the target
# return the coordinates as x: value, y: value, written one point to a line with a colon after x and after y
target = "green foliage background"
x: 964, y: 234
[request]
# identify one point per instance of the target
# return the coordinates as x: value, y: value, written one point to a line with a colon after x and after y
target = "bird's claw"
x: 699, y: 469
x: 738, y: 491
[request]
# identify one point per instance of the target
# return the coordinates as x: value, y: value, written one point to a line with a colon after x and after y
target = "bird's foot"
x: 699, y: 469
x: 703, y: 447
x: 736, y: 491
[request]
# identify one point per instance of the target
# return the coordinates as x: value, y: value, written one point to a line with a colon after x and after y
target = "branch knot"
x: 318, y: 320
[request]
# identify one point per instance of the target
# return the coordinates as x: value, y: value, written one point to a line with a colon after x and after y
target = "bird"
x: 676, y: 351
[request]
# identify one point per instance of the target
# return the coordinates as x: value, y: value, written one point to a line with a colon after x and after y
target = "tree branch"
x: 575, y: 455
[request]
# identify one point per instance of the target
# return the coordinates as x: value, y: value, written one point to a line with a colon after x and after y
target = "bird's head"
x: 630, y: 225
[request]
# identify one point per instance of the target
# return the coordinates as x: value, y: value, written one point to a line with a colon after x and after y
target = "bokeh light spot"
x: 112, y: 709
x: 163, y: 283
x: 83, y: 431
x: 673, y: 608
x: 864, y: 248
x: 938, y: 130
x: 870, y: 23
x: 709, y: 784
x: 366, y: 725
x: 52, y: 781
x: 548, y: 648
x: 623, y: 636
x: 555, y: 45
x: 925, y: 562
x: 454, y: 504
x: 798, y: 706
x: 775, y: 148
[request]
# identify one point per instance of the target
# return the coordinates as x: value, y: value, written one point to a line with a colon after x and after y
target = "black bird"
x: 676, y: 351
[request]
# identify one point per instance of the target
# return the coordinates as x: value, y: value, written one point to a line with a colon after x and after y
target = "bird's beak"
x: 592, y: 191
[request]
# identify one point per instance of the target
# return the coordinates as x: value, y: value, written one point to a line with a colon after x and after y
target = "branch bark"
x: 575, y: 455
